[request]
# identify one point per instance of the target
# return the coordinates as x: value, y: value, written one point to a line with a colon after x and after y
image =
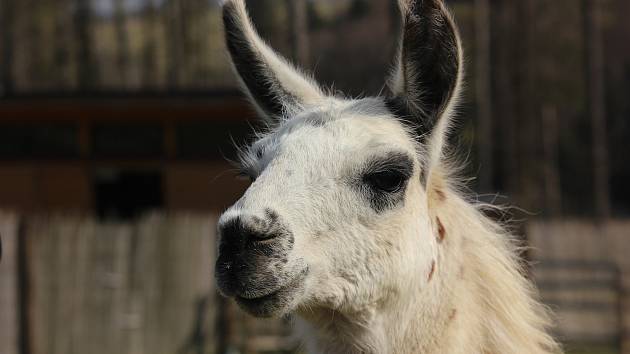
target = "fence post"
x: 624, y: 341
x: 9, y: 290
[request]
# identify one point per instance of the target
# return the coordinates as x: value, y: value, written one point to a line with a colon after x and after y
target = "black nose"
x: 249, y: 246
x: 250, y: 228
x: 247, y: 237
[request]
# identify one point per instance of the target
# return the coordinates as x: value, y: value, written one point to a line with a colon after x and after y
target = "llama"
x: 353, y: 223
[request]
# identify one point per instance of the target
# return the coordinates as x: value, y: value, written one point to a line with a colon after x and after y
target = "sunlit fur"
x: 431, y: 274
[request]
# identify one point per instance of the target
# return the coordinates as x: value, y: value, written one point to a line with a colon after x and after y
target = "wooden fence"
x: 73, y: 285
x: 8, y: 283
x: 119, y: 288
x: 583, y: 271
x: 111, y: 288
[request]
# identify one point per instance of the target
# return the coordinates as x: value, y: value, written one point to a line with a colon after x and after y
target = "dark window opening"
x: 124, y: 195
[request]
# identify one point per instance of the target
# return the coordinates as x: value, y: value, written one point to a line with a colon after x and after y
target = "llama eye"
x: 390, y: 181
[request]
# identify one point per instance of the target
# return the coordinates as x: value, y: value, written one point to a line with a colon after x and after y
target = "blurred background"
x: 117, y: 117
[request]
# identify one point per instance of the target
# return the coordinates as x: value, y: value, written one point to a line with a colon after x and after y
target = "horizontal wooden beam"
x: 38, y: 109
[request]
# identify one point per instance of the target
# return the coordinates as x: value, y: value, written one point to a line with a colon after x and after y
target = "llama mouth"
x: 262, y: 301
x: 276, y: 302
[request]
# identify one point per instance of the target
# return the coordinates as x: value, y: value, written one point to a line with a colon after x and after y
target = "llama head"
x: 337, y: 215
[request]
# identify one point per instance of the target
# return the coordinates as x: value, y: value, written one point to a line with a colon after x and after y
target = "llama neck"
x: 477, y: 301
x: 482, y: 302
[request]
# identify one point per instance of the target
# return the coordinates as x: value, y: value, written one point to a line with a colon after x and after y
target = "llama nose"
x: 249, y: 246
x: 250, y: 228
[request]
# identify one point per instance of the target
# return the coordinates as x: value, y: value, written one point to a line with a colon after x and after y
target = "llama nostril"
x: 254, y: 235
x: 249, y: 228
x: 271, y: 215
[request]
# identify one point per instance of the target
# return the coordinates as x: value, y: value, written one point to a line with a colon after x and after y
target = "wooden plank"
x: 79, y: 320
x: 586, y: 242
x: 8, y: 284
x: 173, y: 284
x: 36, y: 232
x: 226, y: 108
x: 144, y: 288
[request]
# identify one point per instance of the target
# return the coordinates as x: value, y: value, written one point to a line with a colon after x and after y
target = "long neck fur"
x: 478, y: 299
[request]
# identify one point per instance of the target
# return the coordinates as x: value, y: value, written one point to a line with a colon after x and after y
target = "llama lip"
x: 274, y: 302
x: 255, y: 297
x: 249, y: 301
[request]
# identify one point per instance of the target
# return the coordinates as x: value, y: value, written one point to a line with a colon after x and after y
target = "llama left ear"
x: 276, y: 88
x: 425, y: 84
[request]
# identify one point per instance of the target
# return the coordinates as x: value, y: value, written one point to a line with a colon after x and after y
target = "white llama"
x: 352, y: 223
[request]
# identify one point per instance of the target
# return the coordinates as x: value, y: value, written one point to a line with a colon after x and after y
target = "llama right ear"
x: 424, y: 86
x: 275, y: 87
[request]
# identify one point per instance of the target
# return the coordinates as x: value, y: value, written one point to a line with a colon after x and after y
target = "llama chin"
x: 353, y: 222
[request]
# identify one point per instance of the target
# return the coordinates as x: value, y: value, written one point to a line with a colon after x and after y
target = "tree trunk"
x: 122, y: 42
x: 262, y: 14
x: 299, y: 31
x: 61, y: 76
x: 597, y: 105
x: 149, y: 50
x: 553, y: 193
x: 174, y: 43
x: 86, y: 70
x: 505, y: 100
x: 529, y: 140
x: 6, y: 33
x: 268, y: 20
x: 485, y: 140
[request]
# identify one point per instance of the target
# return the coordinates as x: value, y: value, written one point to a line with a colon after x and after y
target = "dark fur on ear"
x: 428, y: 68
x: 260, y: 81
x: 274, y: 86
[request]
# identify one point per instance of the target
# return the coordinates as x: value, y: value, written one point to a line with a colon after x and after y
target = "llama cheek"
x: 365, y: 221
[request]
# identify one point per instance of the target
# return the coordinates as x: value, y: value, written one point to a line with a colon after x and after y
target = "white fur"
x: 370, y: 286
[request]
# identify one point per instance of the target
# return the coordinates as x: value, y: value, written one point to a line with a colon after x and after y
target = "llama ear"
x: 425, y: 84
x: 275, y: 87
